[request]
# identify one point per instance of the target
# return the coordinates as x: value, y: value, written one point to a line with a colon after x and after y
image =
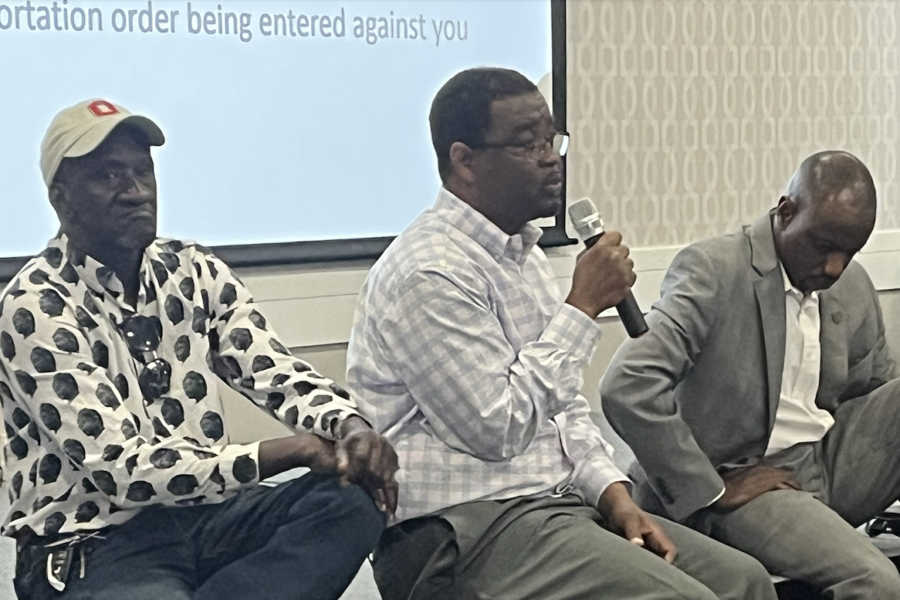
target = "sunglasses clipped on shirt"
x: 142, y: 338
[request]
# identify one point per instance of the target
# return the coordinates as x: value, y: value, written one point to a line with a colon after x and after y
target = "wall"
x: 688, y: 116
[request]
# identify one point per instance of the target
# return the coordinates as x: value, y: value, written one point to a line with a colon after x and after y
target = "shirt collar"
x: 789, y: 287
x: 485, y: 233
x: 96, y: 276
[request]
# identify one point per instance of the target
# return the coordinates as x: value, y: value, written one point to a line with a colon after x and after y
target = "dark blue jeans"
x: 301, y: 540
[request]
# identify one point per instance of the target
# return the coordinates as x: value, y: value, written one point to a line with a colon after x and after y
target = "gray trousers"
x: 552, y: 549
x: 848, y: 477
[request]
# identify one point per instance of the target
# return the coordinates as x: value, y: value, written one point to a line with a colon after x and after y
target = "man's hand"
x: 743, y: 485
x: 628, y: 520
x: 603, y: 275
x: 367, y: 459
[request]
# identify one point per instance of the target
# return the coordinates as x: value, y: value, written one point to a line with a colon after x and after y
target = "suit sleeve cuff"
x: 716, y: 499
x: 690, y: 495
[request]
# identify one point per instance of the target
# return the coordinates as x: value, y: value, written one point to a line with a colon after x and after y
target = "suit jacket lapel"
x: 769, y: 288
x: 833, y: 339
x: 770, y: 299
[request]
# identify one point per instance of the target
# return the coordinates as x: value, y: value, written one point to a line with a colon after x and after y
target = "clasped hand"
x: 366, y: 459
x: 360, y: 456
x: 743, y: 485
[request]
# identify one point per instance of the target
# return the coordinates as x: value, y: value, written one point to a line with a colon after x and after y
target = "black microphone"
x: 589, y: 226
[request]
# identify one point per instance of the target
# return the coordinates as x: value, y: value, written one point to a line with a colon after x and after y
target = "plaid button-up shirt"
x: 464, y: 356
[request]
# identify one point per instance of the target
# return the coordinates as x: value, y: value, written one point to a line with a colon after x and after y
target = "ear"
x: 56, y: 194
x: 59, y: 198
x: 786, y: 210
x: 461, y: 157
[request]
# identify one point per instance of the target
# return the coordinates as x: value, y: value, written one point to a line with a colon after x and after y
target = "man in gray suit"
x: 763, y: 405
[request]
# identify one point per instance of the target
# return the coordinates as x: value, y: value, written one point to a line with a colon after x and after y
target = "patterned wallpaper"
x: 688, y: 116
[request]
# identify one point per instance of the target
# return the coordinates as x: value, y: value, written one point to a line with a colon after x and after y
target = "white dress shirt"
x: 797, y: 418
x: 465, y: 357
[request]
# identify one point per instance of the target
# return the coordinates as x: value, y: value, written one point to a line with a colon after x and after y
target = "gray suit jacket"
x: 698, y: 392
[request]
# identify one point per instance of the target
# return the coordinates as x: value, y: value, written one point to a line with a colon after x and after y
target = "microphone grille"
x: 586, y: 219
x: 583, y: 210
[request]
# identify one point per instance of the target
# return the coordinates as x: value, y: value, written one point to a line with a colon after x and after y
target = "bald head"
x: 834, y: 177
x: 824, y: 218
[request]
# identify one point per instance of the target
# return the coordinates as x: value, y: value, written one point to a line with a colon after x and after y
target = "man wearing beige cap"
x: 112, y: 344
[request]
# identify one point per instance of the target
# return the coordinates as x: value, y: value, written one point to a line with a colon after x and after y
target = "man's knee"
x: 695, y: 592
x: 345, y: 511
x: 363, y: 519
x: 878, y: 579
x: 752, y: 580
x: 355, y: 514
x: 739, y: 576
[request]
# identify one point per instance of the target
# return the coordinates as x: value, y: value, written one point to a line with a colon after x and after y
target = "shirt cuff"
x: 597, y: 473
x: 239, y: 466
x: 573, y: 330
x: 342, y: 414
x: 716, y: 499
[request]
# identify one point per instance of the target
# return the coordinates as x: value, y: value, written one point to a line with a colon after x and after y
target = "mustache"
x: 135, y: 202
x: 553, y: 177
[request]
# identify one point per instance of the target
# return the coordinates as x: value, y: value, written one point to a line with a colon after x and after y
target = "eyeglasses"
x: 142, y: 338
x: 558, y: 142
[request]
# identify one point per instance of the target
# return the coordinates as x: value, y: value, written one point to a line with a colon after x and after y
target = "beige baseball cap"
x: 79, y: 129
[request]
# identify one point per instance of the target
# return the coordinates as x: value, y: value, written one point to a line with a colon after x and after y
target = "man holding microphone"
x: 465, y: 357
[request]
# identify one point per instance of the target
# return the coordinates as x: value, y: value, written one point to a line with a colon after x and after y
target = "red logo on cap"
x: 102, y: 108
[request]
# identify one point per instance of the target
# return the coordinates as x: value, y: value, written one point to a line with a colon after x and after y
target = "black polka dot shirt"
x: 84, y: 448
